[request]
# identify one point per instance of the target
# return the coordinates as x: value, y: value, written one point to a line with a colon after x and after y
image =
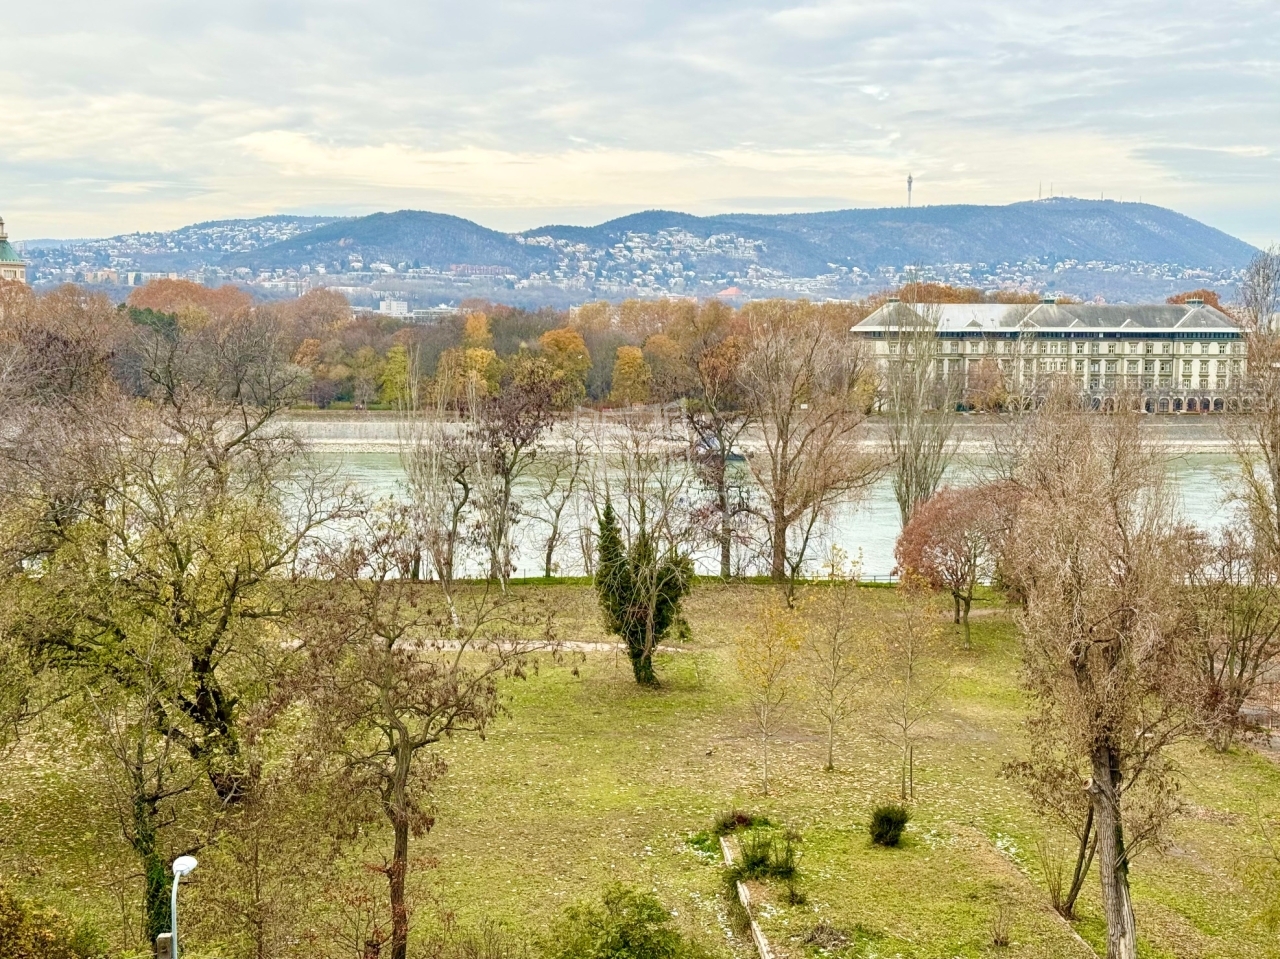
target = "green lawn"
x: 591, y: 779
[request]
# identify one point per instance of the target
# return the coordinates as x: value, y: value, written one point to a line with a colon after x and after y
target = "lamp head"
x: 183, y: 865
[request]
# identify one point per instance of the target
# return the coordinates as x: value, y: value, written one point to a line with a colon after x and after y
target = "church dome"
x: 12, y: 266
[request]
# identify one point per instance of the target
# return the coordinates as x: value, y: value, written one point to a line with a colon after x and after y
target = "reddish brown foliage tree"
x: 949, y: 544
x: 1210, y: 298
x: 176, y: 296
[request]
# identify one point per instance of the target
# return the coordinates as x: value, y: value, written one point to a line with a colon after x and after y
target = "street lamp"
x: 182, y: 866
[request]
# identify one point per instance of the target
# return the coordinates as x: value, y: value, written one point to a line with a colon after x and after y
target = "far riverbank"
x: 356, y: 431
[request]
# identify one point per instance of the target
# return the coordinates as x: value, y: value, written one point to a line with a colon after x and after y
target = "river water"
x: 865, y: 531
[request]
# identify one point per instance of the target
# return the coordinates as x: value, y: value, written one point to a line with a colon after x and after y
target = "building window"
x: 893, y: 347
x: 1148, y: 347
x: 1222, y: 347
x: 1079, y: 347
x: 1164, y: 347
x: 1111, y: 347
x: 1093, y: 347
x: 1111, y: 366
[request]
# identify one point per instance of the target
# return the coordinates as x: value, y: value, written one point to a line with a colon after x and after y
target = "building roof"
x: 980, y: 318
x: 7, y: 253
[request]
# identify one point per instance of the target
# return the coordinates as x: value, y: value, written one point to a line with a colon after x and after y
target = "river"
x: 1201, y: 469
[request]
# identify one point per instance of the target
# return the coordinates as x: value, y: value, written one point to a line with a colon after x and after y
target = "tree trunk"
x: 956, y: 598
x: 642, y: 666
x: 550, y: 555
x: 1084, y: 859
x: 1113, y: 861
x: 764, y: 742
x: 155, y: 871
x: 831, y: 745
x: 726, y: 531
x: 778, y: 564
x: 964, y: 618
x: 395, y: 877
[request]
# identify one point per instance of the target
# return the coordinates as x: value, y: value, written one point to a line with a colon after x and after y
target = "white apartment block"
x: 1179, y: 358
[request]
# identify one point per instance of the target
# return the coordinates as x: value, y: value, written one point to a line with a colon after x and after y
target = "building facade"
x: 1185, y: 357
x: 11, y: 265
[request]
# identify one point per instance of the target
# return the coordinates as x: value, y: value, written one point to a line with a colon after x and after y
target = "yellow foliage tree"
x: 767, y: 657
x: 632, y: 377
x: 567, y: 353
x: 475, y: 332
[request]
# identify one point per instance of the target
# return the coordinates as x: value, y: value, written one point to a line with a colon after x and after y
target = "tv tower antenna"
x: 908, y: 191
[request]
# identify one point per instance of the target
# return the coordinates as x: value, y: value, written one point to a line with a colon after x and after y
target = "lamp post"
x: 181, y: 866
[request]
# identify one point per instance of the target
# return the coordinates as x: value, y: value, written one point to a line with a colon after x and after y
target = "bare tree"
x: 438, y: 458
x: 1256, y: 438
x: 1052, y: 777
x: 806, y: 387
x: 917, y: 397
x: 913, y: 677
x: 767, y: 657
x: 558, y: 482
x: 1260, y: 292
x: 505, y: 429
x: 1107, y: 652
x: 389, y: 680
x: 838, y: 653
x: 717, y: 419
x: 1233, y: 603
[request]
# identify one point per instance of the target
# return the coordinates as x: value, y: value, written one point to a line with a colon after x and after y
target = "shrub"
x: 727, y: 823
x: 29, y: 930
x: 734, y: 820
x: 887, y: 824
x: 625, y: 924
x: 763, y: 857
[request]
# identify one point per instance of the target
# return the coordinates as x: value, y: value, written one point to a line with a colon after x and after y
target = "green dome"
x: 8, y: 254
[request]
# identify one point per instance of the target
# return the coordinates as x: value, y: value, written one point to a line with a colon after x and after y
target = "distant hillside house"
x: 11, y: 265
x: 1186, y: 357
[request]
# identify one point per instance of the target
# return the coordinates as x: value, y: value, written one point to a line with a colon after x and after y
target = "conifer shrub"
x: 887, y: 824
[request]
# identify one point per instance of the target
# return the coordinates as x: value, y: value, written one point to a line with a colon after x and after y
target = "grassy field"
x: 592, y: 779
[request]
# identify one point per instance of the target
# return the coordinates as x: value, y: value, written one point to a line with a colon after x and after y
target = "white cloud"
x: 121, y: 115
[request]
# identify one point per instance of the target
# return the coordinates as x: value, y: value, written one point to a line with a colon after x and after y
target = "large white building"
x: 1185, y: 357
x: 11, y: 265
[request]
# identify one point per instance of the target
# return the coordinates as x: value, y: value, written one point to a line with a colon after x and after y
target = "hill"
x: 1125, y: 252
x: 1054, y: 230
x: 432, y: 240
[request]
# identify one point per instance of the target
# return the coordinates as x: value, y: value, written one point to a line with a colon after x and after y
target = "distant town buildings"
x: 12, y: 266
x: 1185, y: 357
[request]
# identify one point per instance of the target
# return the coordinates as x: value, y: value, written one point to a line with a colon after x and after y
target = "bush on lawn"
x: 625, y: 924
x: 29, y: 930
x: 887, y: 824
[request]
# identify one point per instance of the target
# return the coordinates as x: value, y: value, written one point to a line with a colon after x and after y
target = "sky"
x: 124, y: 116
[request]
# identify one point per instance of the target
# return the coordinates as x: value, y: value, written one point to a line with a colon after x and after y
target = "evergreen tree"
x: 640, y: 592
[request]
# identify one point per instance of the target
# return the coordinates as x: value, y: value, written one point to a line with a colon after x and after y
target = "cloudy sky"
x: 119, y: 116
